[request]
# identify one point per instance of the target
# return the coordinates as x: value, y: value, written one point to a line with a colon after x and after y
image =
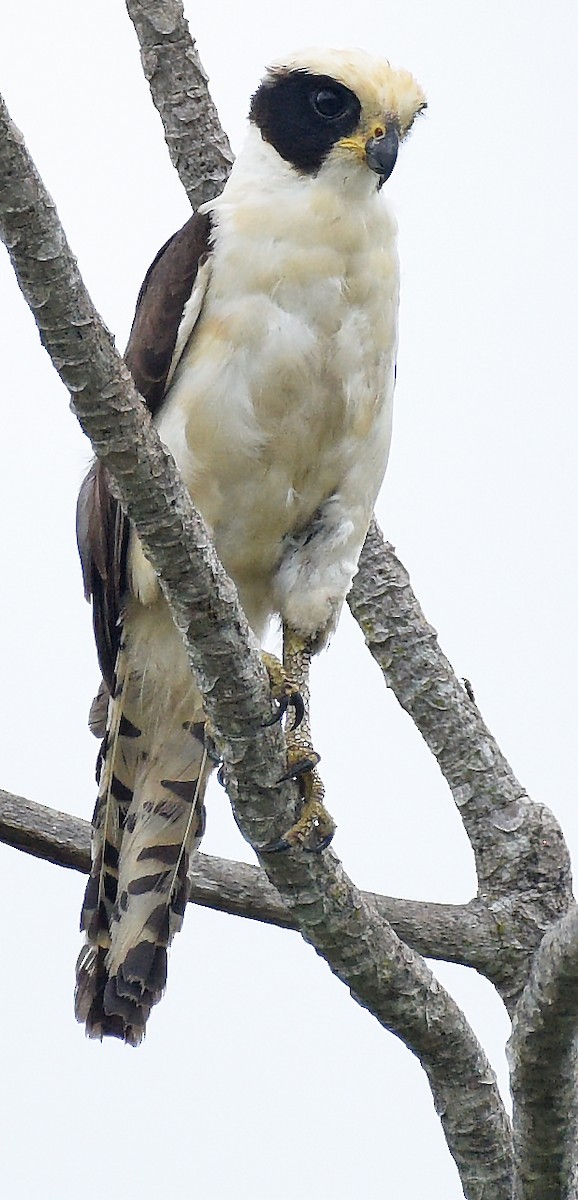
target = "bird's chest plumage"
x: 288, y: 376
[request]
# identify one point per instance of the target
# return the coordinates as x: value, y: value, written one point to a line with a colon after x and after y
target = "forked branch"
x: 384, y: 975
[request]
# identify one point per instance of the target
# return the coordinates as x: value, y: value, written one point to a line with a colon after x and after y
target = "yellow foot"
x: 285, y: 692
x: 314, y: 829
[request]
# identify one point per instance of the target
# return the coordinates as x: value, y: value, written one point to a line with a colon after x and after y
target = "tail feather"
x: 116, y: 768
x: 163, y: 828
x: 149, y: 817
x: 91, y: 979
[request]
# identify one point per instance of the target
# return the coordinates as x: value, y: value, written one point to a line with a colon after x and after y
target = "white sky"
x: 260, y: 1077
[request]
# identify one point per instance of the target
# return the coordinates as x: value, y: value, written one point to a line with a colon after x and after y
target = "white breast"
x: 282, y: 398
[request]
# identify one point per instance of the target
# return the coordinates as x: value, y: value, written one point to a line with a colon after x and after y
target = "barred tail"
x: 116, y: 770
x: 148, y: 819
x: 164, y: 825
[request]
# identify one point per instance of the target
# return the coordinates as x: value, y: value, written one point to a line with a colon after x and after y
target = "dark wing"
x: 102, y: 536
x: 101, y: 526
x: 167, y: 286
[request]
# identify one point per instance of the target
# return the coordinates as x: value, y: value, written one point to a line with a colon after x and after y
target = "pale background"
x: 259, y: 1076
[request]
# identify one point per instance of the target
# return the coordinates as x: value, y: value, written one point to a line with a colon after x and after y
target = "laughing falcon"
x: 264, y: 344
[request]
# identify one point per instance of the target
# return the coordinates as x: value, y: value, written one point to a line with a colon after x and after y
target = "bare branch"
x: 544, y: 1068
x: 383, y: 974
x: 508, y: 833
x: 522, y: 860
x: 509, y: 811
x: 394, y: 984
x: 450, y: 932
x: 197, y: 144
x: 44, y: 832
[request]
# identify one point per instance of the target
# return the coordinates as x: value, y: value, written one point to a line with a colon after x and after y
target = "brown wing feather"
x: 102, y: 536
x: 101, y: 526
x: 167, y: 286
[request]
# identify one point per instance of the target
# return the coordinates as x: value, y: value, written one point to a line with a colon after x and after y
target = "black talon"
x: 298, y: 704
x: 301, y: 768
x: 282, y: 844
x: 275, y: 847
x: 322, y: 845
x: 282, y: 706
x: 295, y: 701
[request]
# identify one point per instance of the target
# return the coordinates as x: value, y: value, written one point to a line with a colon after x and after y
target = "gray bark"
x: 522, y: 861
x: 449, y: 932
x: 197, y: 144
x: 543, y: 1058
x: 515, y: 931
x: 383, y: 974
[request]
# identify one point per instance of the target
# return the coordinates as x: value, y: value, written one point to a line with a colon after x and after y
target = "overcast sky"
x: 259, y: 1076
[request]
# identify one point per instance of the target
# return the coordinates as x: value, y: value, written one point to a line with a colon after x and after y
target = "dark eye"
x: 329, y: 103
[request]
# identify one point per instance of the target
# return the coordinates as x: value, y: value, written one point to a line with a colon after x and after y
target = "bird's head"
x: 322, y: 107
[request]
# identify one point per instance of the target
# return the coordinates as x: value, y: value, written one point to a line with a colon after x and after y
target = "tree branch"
x: 383, y: 974
x: 197, y: 144
x: 544, y: 1068
x: 449, y: 932
x: 507, y: 831
x: 522, y: 860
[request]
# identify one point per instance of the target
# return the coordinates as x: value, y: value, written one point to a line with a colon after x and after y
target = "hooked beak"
x: 381, y: 153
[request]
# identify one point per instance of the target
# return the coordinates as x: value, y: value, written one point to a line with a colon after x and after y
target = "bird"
x: 264, y: 343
